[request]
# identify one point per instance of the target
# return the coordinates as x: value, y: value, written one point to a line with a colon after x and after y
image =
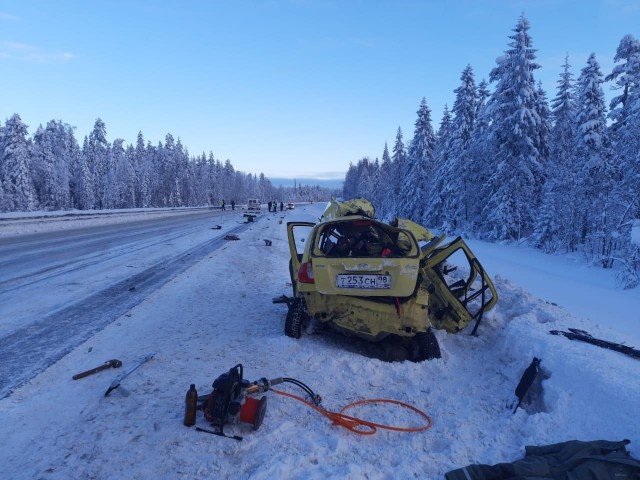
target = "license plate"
x: 363, y: 281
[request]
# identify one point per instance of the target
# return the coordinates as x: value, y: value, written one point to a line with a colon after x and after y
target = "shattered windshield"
x: 364, y: 238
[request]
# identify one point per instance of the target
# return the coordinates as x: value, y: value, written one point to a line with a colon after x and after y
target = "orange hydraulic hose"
x: 358, y: 425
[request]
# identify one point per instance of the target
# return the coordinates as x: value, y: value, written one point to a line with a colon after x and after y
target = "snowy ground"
x: 219, y: 313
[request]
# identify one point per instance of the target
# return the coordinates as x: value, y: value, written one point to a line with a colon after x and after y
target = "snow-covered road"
x: 76, y: 281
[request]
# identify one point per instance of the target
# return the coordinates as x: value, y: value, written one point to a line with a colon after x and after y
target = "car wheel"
x: 296, y: 318
x: 426, y: 346
x: 395, y: 352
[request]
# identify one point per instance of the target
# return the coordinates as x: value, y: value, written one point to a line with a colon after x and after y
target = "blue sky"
x: 290, y: 88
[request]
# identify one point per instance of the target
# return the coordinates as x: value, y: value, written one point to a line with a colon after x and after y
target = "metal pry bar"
x: 116, y: 383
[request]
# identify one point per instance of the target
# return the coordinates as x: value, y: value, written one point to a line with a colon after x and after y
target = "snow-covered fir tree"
x: 625, y: 77
x: 376, y: 183
x: 387, y: 206
x: 365, y: 181
x: 454, y: 178
x: 556, y: 226
x: 476, y: 154
x: 515, y: 185
x: 597, y: 173
x: 434, y: 215
x: 143, y: 173
x: 54, y: 150
x: 350, y: 185
x: 119, y: 182
x: 413, y: 191
x: 15, y: 177
x: 400, y: 164
x: 625, y: 139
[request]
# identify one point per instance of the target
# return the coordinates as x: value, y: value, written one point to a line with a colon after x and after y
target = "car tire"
x: 426, y: 346
x: 296, y: 318
x: 395, y: 352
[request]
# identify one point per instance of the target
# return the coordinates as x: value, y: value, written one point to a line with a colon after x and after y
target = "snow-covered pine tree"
x: 54, y: 152
x: 183, y: 181
x: 170, y: 185
x: 213, y: 183
x: 350, y: 185
x: 386, y: 208
x: 543, y: 140
x: 374, y: 171
x: 477, y: 162
x: 96, y: 151
x: 200, y: 180
x: 413, y: 191
x: 455, y: 181
x: 597, y: 173
x: 365, y: 182
x: 70, y: 152
x: 514, y: 188
x: 142, y: 174
x: 15, y: 175
x: 41, y: 166
x: 557, y: 223
x: 625, y: 75
x: 483, y: 95
x: 434, y: 215
x: 120, y: 181
x: 399, y: 162
x: 625, y: 115
x: 84, y: 181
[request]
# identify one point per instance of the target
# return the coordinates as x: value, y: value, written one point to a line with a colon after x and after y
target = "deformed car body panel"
x: 457, y: 300
x: 366, y: 318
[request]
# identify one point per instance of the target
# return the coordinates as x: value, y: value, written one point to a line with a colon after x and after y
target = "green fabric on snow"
x: 572, y: 460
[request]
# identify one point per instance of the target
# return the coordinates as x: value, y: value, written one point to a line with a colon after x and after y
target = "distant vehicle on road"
x: 253, y: 209
x: 291, y: 206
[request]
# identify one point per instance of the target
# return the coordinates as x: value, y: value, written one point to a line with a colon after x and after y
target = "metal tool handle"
x: 108, y: 364
x: 91, y: 372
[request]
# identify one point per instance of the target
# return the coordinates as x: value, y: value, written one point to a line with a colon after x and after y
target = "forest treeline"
x: 507, y: 164
x: 51, y: 171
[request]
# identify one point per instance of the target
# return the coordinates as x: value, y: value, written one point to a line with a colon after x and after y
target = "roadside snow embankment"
x: 22, y: 223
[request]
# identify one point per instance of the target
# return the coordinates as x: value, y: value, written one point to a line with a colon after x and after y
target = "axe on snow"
x: 109, y: 364
x: 526, y: 381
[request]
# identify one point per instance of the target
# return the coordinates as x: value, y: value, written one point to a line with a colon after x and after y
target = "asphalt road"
x: 58, y: 288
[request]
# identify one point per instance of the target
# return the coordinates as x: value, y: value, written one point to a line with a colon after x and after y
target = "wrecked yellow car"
x: 388, y: 284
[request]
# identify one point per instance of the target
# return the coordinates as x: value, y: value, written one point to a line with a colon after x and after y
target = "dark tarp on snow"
x: 572, y: 460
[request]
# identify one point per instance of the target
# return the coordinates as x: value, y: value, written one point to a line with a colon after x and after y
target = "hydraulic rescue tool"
x: 230, y: 401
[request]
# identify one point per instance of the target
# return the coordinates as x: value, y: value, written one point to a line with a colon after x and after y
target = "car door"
x: 460, y: 288
x: 298, y: 234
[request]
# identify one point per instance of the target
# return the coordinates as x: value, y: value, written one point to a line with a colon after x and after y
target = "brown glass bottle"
x: 190, y: 405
